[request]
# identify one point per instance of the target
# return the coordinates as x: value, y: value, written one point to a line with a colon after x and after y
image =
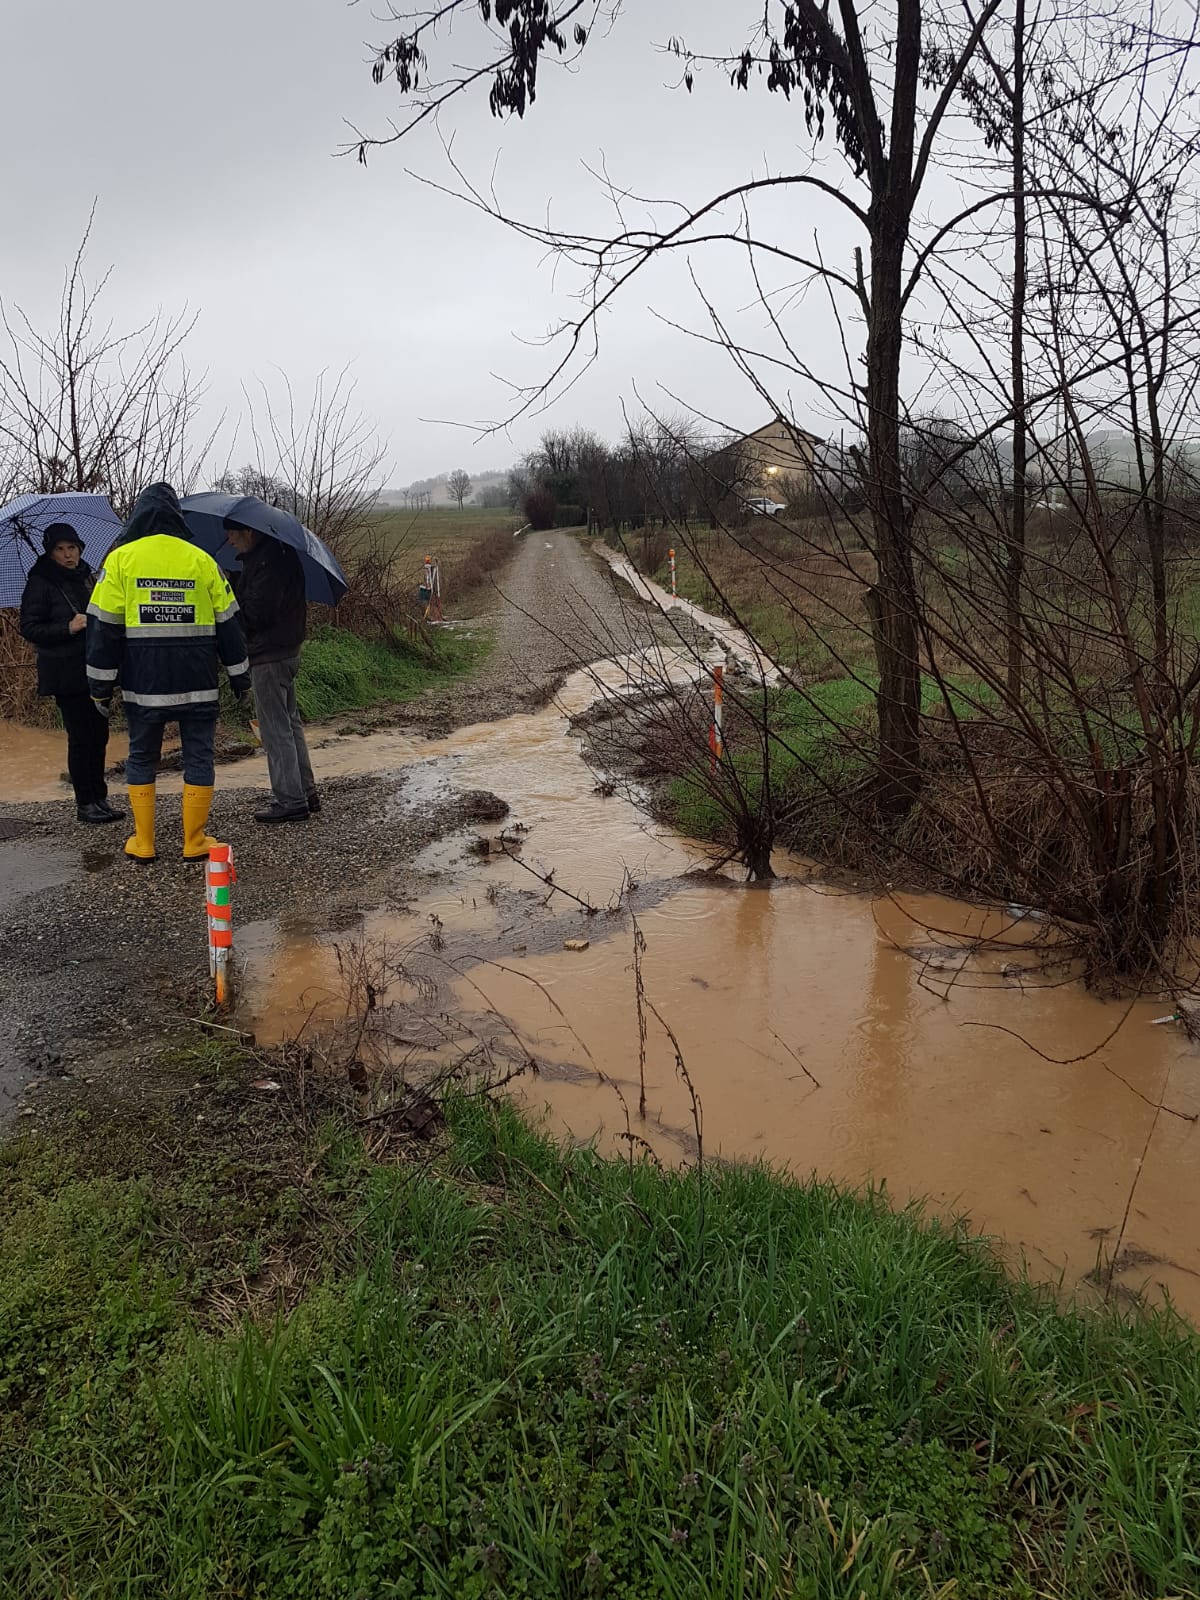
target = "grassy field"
x: 240, y: 1356
x: 806, y: 608
x: 445, y: 534
x: 823, y: 740
x: 809, y: 611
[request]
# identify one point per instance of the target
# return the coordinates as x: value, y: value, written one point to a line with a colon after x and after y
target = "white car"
x: 761, y: 506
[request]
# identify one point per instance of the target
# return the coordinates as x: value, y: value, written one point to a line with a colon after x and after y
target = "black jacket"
x: 271, y: 603
x: 52, y: 597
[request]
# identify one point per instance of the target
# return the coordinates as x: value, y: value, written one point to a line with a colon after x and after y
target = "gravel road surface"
x: 557, y: 607
x: 96, y: 949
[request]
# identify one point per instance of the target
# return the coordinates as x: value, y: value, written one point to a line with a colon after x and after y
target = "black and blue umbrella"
x: 209, y: 515
x: 24, y: 520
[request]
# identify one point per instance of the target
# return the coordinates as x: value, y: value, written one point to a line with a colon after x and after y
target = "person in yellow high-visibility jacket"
x: 161, y: 617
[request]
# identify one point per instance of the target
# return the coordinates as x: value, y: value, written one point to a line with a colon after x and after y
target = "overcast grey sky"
x: 208, y: 133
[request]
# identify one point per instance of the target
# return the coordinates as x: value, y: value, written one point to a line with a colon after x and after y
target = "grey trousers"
x: 282, y: 732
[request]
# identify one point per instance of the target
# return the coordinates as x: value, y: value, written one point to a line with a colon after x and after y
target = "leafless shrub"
x: 477, y: 565
x: 19, y: 700
x: 85, y: 407
x: 538, y: 505
x: 321, y: 454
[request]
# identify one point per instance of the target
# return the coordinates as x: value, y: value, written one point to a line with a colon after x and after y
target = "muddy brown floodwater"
x: 825, y: 1031
x: 920, y: 1081
x: 34, y: 760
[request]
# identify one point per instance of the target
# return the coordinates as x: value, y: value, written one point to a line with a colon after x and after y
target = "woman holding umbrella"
x: 54, y: 620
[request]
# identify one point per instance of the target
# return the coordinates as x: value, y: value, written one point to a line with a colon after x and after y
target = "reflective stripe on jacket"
x: 161, y: 617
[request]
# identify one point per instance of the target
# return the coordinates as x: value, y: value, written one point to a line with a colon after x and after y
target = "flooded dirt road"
x: 34, y: 760
x: 826, y: 1031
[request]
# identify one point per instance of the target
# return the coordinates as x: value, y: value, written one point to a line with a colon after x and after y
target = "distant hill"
x: 436, y: 488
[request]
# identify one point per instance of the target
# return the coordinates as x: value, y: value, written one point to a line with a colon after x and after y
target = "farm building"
x: 776, y: 454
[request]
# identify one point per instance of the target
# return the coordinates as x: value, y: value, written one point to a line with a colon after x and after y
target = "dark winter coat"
x: 270, y: 596
x: 52, y: 596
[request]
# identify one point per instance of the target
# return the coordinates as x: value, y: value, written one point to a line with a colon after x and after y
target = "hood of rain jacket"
x: 156, y: 510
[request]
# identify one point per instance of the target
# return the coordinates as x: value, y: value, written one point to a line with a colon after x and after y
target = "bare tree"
x: 320, y: 460
x: 458, y: 484
x: 494, y: 497
x: 83, y: 406
x: 1030, y: 748
x: 251, y: 480
x: 887, y: 98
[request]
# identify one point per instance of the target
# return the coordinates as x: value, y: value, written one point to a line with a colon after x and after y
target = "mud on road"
x: 96, y: 950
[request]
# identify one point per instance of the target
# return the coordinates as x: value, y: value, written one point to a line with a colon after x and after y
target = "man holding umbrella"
x: 284, y: 569
x: 274, y: 613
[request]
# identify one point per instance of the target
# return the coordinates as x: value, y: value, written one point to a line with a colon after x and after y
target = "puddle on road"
x: 27, y: 865
x: 33, y: 761
x: 760, y: 985
x: 764, y: 988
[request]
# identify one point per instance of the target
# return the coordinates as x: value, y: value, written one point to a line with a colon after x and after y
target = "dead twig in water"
x: 547, y: 878
x: 1137, y: 1173
x: 505, y: 1023
x: 697, y: 1112
x: 795, y: 1058
x: 239, y: 1034
x: 639, y: 949
x: 1056, y: 1061
x: 1071, y: 1061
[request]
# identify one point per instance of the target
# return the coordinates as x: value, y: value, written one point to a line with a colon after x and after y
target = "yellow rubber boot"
x: 197, y: 802
x: 141, y: 803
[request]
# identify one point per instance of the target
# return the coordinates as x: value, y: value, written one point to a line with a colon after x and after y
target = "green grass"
x: 341, y: 672
x: 516, y: 1371
x: 810, y: 626
x: 446, y: 533
x: 823, y: 741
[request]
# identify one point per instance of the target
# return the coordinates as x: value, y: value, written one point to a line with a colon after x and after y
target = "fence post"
x: 219, y: 878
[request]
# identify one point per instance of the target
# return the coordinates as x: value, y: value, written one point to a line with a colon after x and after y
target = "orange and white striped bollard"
x: 671, y: 553
x: 715, y: 743
x: 219, y: 878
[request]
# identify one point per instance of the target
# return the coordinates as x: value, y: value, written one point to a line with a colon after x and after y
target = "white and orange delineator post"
x: 433, y: 589
x: 671, y: 553
x: 715, y: 743
x: 219, y: 878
